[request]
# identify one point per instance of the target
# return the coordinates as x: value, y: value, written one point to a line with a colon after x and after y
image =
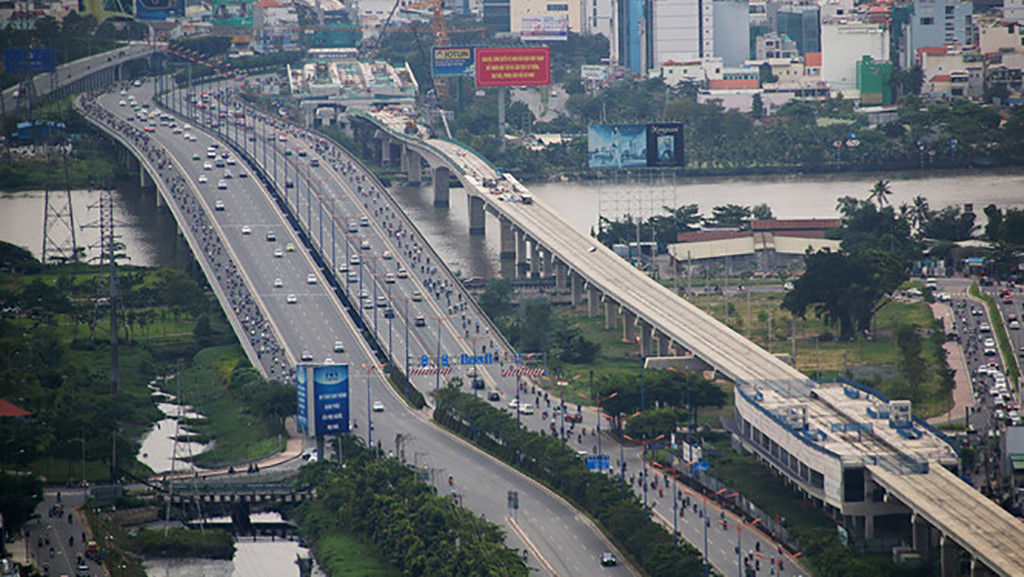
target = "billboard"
x: 452, y: 60
x: 594, y: 72
x: 322, y: 399
x: 158, y: 10
x: 530, y: 66
x: 544, y: 27
x: 635, y: 145
x: 29, y: 60
x: 232, y: 12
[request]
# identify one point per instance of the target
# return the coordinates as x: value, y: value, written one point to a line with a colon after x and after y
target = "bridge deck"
x: 980, y: 526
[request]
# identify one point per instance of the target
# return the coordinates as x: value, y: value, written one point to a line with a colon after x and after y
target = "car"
x: 328, y: 361
x: 222, y: 185
x: 402, y: 273
x: 526, y: 409
x: 196, y: 156
x: 389, y: 313
x: 287, y: 152
x: 313, y: 163
x: 278, y: 253
x: 513, y: 403
x: 307, y: 356
x: 207, y: 166
x: 378, y: 407
x: 368, y: 303
x: 387, y: 255
x: 289, y: 183
x: 302, y: 154
x: 83, y: 569
x: 354, y: 260
x: 364, y: 221
x: 417, y: 296
x: 420, y: 321
x: 122, y: 103
x: 353, y: 277
x: 289, y: 247
x: 311, y: 456
x: 389, y: 278
x: 608, y: 559
x: 310, y: 278
x: 246, y: 229
x: 202, y: 179
x: 494, y: 396
x: 353, y: 227
x: 282, y: 138
x: 227, y: 174
x: 364, y: 294
x: 976, y: 312
x: 278, y: 283
x: 243, y: 174
x: 382, y: 301
x: 211, y: 154
x: 343, y: 268
x: 230, y: 160
x: 985, y: 328
x: 990, y: 352
x: 339, y: 347
x: 271, y: 237
x: 989, y: 342
x: 1014, y: 325
x: 292, y: 299
x: 365, y: 245
x: 219, y: 163
x: 218, y: 205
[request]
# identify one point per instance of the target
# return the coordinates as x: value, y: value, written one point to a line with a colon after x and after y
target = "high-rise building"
x: 497, y: 15
x: 631, y: 31
x: 873, y: 82
x: 732, y: 31
x: 1013, y: 11
x: 936, y: 23
x: 798, y: 22
x: 682, y: 29
x: 599, y: 18
x: 843, y: 44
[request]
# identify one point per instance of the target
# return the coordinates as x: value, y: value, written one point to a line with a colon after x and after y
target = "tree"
x: 950, y: 224
x: 762, y: 212
x: 913, y: 367
x: 730, y: 216
x: 757, y: 106
x: 496, y: 298
x: 19, y: 495
x: 880, y: 193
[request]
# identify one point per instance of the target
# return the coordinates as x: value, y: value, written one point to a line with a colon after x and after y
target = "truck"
x: 526, y: 198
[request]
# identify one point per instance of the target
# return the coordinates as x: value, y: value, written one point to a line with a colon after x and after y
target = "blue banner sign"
x: 487, y: 359
x: 453, y: 60
x: 597, y: 462
x: 323, y: 400
x: 30, y: 60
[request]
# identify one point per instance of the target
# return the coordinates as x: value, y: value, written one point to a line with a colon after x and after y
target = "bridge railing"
x: 401, y: 136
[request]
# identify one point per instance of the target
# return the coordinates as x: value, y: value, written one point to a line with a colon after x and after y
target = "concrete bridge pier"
x: 534, y: 259
x: 561, y: 271
x: 576, y: 282
x: 609, y: 314
x: 507, y: 254
x: 476, y: 216
x: 441, y: 182
x: 949, y: 557
x: 664, y: 343
x: 413, y: 167
x: 628, y: 326
x: 593, y: 300
x: 920, y: 538
x: 645, y: 337
x: 547, y: 264
x: 522, y: 267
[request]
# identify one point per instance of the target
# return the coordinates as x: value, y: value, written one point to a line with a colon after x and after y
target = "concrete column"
x: 593, y: 299
x: 145, y: 181
x: 548, y: 264
x: 869, y: 526
x: 919, y: 535
x: 609, y: 314
x: 476, y: 216
x: 577, y: 287
x: 561, y: 271
x: 949, y: 567
x: 385, y: 151
x: 522, y: 267
x: 414, y: 167
x: 645, y: 337
x: 542, y: 262
x: 663, y: 344
x: 628, y: 326
x: 441, y: 181
x: 534, y: 259
x: 507, y: 255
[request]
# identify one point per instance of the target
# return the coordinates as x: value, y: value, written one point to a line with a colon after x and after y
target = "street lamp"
x: 474, y: 340
x: 367, y: 369
x: 644, y: 442
x: 622, y: 450
x: 437, y: 360
x: 598, y: 399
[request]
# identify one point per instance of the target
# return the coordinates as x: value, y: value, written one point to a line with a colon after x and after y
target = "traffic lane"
x: 61, y: 534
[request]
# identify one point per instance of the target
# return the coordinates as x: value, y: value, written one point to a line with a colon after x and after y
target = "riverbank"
x: 89, y: 163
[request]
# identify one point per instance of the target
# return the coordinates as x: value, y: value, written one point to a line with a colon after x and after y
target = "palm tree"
x: 880, y: 193
x: 920, y: 213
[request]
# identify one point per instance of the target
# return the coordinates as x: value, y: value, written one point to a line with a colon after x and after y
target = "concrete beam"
x: 441, y: 182
x: 548, y: 264
x: 476, y: 216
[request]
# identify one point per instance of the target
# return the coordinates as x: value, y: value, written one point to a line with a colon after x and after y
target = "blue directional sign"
x: 424, y: 361
x: 597, y: 462
x: 487, y: 359
x: 444, y: 360
x: 701, y: 466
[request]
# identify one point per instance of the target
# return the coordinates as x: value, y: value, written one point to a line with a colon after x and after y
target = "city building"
x: 937, y: 23
x: 1000, y: 36
x: 843, y: 44
x: 632, y: 37
x: 798, y: 22
x: 768, y: 245
x: 1013, y: 11
x: 549, y: 18
x: 774, y: 45
x: 695, y: 71
x: 274, y: 26
x: 874, y: 82
x: 732, y: 31
x: 681, y: 29
x: 497, y: 15
x: 598, y: 17
x: 950, y: 71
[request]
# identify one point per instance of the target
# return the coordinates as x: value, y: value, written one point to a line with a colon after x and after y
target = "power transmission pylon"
x: 59, y: 222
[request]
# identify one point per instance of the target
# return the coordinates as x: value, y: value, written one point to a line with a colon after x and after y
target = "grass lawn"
x: 239, y: 436
x: 342, y: 555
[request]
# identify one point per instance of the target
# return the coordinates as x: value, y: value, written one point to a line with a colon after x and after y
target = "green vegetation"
x: 19, y: 495
x: 113, y: 537
x: 243, y: 412
x: 544, y: 458
x: 343, y: 555
x: 383, y: 502
x: 179, y: 542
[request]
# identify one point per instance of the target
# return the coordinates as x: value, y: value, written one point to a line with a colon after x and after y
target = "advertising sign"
x: 29, y: 60
x: 452, y: 60
x: 232, y: 13
x: 617, y: 145
x: 530, y: 66
x: 594, y: 72
x: 322, y: 398
x: 544, y: 27
x: 158, y: 10
x: 635, y: 145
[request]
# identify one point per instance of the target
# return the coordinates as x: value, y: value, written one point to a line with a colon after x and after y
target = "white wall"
x: 843, y: 44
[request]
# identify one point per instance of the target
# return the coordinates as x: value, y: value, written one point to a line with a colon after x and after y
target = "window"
x: 927, y: 21
x: 558, y: 7
x: 949, y: 9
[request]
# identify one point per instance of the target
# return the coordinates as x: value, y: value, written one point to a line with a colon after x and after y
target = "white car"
x: 306, y: 356
x: 222, y: 185
x: 354, y: 260
x: 278, y: 283
x: 378, y: 407
x: 417, y: 296
x: 1014, y: 325
x: 218, y: 205
x: 231, y: 160
x: 292, y: 299
x: 513, y: 403
x: 246, y: 229
x: 207, y: 166
x: 278, y: 253
x: 311, y: 278
x: 526, y: 409
x: 203, y: 179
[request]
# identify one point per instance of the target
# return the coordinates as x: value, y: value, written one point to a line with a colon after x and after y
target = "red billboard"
x: 530, y: 66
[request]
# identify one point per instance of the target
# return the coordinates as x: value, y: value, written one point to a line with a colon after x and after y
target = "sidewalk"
x: 963, y: 392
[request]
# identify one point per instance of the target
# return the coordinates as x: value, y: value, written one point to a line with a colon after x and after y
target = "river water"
x: 259, y: 558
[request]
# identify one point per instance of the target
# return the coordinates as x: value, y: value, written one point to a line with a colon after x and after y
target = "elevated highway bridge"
x: 788, y: 419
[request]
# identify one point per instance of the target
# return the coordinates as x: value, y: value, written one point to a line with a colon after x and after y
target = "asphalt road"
x: 567, y: 543
x: 55, y: 538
